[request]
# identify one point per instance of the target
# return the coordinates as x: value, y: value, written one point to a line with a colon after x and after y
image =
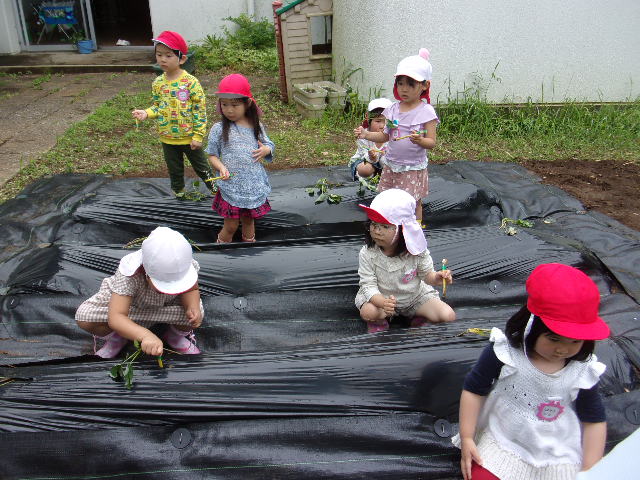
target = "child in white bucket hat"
x: 369, y: 157
x: 396, y: 270
x: 410, y: 130
x: 156, y: 284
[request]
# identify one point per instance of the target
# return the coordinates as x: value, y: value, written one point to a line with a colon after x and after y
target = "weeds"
x: 250, y: 48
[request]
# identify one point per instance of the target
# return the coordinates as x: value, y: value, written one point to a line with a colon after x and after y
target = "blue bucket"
x: 85, y: 46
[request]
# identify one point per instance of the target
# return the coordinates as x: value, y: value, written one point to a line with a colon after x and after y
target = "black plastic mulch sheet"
x: 290, y: 385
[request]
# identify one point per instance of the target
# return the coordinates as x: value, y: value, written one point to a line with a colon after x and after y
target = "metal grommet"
x: 181, y: 438
x: 495, y: 286
x: 442, y: 428
x: 632, y: 413
x: 13, y: 302
x: 240, y: 303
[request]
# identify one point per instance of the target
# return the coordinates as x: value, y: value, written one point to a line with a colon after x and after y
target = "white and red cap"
x: 376, y: 103
x: 172, y: 40
x: 167, y: 259
x: 397, y: 207
x: 416, y: 67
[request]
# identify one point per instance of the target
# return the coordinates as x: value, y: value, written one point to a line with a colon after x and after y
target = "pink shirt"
x: 403, y: 152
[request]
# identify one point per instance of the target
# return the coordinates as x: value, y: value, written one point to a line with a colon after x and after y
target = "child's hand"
x: 389, y: 305
x: 469, y: 453
x: 194, y: 317
x: 373, y: 156
x: 416, y: 139
x: 224, y: 173
x: 360, y: 132
x: 444, y: 274
x: 151, y: 344
x: 261, y: 152
x: 139, y: 114
x: 195, y: 144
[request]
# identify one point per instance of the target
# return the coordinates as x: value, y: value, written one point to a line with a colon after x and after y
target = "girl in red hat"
x: 410, y: 130
x: 530, y: 408
x: 237, y: 146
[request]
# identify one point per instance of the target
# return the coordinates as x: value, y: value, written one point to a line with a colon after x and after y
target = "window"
x: 320, y: 26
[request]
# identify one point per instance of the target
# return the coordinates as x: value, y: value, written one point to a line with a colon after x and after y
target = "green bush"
x: 251, y: 48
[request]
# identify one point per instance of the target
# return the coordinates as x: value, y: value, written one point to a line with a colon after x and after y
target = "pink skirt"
x: 226, y: 210
x: 414, y: 182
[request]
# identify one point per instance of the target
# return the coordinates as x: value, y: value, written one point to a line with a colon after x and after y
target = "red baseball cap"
x: 235, y: 86
x: 172, y: 40
x: 567, y: 301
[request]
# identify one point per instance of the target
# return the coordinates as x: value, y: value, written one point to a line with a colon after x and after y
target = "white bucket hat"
x: 397, y: 207
x: 379, y: 103
x: 416, y: 66
x: 167, y: 259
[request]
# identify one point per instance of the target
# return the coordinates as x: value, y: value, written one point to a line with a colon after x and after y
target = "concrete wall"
x: 195, y: 19
x: 8, y: 28
x: 545, y: 50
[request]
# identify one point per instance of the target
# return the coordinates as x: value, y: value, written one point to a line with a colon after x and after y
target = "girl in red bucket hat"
x: 237, y: 146
x: 530, y: 408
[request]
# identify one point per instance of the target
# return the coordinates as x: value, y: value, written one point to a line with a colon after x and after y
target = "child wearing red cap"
x: 530, y: 408
x: 236, y: 147
x: 179, y: 108
x: 410, y: 130
x: 395, y: 268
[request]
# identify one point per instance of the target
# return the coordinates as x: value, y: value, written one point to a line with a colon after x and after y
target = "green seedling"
x: 510, y: 229
x: 124, y: 369
x: 368, y: 184
x: 322, y: 188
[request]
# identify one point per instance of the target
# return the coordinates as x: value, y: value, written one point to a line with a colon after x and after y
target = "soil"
x: 607, y: 186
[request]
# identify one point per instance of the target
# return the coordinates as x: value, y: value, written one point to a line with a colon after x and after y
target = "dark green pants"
x: 173, y: 155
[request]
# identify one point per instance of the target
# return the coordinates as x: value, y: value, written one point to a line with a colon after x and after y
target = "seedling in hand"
x: 444, y: 280
x: 124, y: 369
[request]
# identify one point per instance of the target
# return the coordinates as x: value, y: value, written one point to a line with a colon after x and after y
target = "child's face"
x: 376, y: 123
x: 233, y: 108
x: 167, y: 59
x: 554, y: 348
x: 383, y: 234
x: 409, y: 89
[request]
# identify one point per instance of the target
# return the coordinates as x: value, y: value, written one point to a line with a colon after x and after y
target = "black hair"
x: 376, y: 112
x: 178, y: 53
x: 251, y: 113
x: 401, y: 246
x: 514, y: 332
x: 412, y: 81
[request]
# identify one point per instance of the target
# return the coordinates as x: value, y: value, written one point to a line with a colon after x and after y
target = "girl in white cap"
x: 396, y: 270
x: 369, y: 157
x: 156, y: 284
x: 410, y: 130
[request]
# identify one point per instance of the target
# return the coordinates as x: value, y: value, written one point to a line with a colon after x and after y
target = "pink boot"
x: 113, y: 344
x: 180, y: 341
x: 377, y: 327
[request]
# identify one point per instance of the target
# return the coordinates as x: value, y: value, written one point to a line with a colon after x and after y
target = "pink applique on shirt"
x: 183, y: 94
x: 549, y: 411
x: 409, y: 276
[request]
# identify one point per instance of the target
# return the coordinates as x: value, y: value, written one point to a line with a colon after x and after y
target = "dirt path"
x: 31, y: 118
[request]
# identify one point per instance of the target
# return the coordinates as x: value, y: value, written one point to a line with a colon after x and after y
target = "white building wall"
x: 195, y: 19
x: 8, y: 28
x: 544, y: 50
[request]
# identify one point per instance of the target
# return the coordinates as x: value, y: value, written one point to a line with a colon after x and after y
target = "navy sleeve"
x: 589, y: 406
x: 480, y: 379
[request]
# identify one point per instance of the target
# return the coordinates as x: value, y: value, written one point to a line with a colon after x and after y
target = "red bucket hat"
x: 172, y: 40
x: 567, y: 301
x: 235, y: 86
